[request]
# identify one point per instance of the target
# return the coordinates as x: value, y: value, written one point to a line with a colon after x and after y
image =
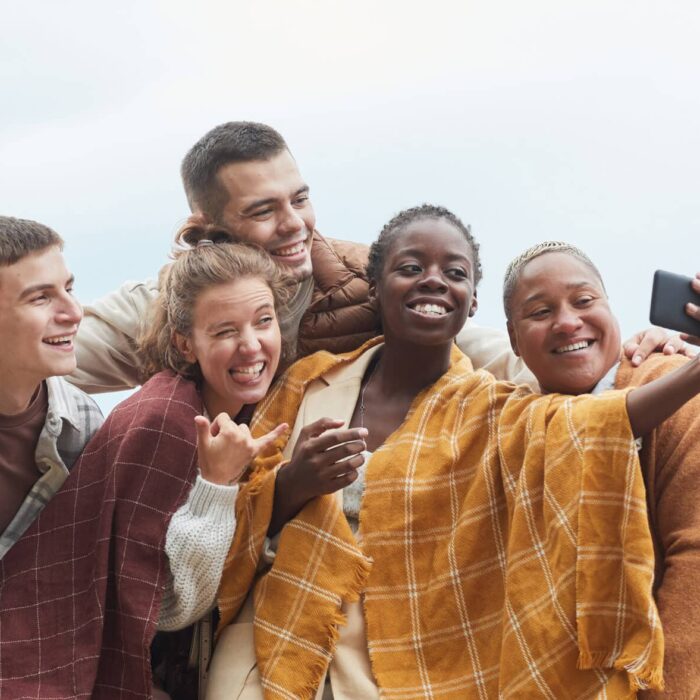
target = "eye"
x: 225, y: 333
x: 39, y: 298
x: 266, y: 321
x: 410, y: 268
x: 261, y: 214
x: 301, y: 200
x: 458, y: 273
x: 539, y: 313
x: 585, y: 300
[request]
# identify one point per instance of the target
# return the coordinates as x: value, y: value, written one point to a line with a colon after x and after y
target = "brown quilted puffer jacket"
x: 340, y: 317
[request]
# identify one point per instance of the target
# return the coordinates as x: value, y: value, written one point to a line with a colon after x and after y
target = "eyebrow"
x: 304, y: 189
x: 540, y: 295
x: 42, y: 288
x: 414, y: 252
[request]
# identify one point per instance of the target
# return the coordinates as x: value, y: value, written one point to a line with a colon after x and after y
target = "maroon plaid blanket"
x: 80, y: 592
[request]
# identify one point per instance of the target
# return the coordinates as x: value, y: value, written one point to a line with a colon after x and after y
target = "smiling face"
x: 236, y: 341
x: 38, y: 319
x: 561, y: 324
x: 268, y: 204
x: 426, y: 287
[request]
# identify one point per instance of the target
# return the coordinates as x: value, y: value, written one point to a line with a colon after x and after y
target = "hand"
x: 225, y: 449
x: 654, y: 339
x: 694, y: 312
x: 325, y: 459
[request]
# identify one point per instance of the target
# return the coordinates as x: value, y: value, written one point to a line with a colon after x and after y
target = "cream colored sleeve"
x: 197, y: 541
x: 490, y: 349
x: 106, y: 341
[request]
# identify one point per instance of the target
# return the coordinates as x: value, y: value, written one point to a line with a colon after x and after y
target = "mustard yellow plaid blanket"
x: 505, y: 550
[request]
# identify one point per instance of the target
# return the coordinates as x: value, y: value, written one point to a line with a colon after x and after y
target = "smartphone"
x: 669, y: 295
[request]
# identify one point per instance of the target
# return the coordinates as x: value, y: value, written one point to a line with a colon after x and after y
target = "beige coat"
x: 234, y: 672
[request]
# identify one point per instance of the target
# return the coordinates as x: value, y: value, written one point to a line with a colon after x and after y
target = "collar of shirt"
x: 608, y: 381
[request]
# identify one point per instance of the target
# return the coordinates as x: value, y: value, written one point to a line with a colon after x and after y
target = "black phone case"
x: 669, y: 295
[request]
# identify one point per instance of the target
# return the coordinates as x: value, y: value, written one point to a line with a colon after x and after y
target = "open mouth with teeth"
x: 429, y: 310
x: 247, y: 374
x: 289, y: 250
x: 573, y: 347
x: 59, y: 341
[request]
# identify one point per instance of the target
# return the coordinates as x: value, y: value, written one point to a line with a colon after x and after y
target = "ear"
x: 372, y: 293
x: 474, y: 305
x: 184, y: 345
x: 513, y: 338
x: 198, y: 217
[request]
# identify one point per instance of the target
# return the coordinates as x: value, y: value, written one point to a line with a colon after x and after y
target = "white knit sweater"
x: 197, y: 542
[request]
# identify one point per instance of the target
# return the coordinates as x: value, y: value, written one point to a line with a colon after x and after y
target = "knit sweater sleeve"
x: 670, y: 460
x: 197, y: 542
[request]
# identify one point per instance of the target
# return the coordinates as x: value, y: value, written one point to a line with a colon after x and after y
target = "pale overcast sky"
x: 547, y: 119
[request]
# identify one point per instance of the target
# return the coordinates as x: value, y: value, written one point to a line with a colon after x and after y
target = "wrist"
x: 289, y: 485
x: 221, y: 477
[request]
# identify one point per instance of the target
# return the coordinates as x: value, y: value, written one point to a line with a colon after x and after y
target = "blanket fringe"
x: 640, y: 678
x: 647, y: 679
x: 337, y: 619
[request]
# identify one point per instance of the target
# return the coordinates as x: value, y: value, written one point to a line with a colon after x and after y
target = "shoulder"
x: 335, y: 262
x: 72, y: 417
x: 351, y: 254
x: 68, y: 402
x: 166, y: 398
x: 655, y: 366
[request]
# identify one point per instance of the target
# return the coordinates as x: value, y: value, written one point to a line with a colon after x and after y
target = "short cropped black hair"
x: 378, y: 249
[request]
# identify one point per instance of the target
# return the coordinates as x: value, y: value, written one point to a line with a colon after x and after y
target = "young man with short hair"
x: 44, y: 421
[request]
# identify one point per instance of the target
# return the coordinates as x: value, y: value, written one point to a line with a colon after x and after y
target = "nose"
x: 290, y: 221
x: 248, y: 342
x: 566, y: 320
x: 69, y: 311
x: 433, y: 280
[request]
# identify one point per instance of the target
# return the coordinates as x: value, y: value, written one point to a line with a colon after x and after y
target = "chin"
x: 299, y: 273
x: 253, y: 395
x: 60, y: 369
x: 572, y: 386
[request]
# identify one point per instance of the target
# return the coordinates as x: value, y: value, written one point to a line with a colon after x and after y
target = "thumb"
x: 262, y: 442
x: 203, y: 427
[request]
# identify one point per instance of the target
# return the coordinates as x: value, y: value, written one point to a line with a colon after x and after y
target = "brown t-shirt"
x: 19, y: 435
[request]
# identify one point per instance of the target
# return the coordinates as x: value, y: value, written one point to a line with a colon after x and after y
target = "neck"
x: 407, y: 370
x: 15, y: 396
x: 215, y: 404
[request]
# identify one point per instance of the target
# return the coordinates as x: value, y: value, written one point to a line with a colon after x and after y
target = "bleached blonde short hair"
x: 515, y: 268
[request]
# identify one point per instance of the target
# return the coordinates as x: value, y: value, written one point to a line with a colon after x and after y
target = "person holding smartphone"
x: 561, y: 325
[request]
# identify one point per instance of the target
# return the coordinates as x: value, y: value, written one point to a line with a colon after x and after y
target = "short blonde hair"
x: 515, y: 268
x: 196, y: 269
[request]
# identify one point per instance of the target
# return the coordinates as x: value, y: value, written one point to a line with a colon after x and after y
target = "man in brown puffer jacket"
x: 241, y: 178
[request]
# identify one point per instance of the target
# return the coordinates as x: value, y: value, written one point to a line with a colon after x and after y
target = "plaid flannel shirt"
x: 71, y: 420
